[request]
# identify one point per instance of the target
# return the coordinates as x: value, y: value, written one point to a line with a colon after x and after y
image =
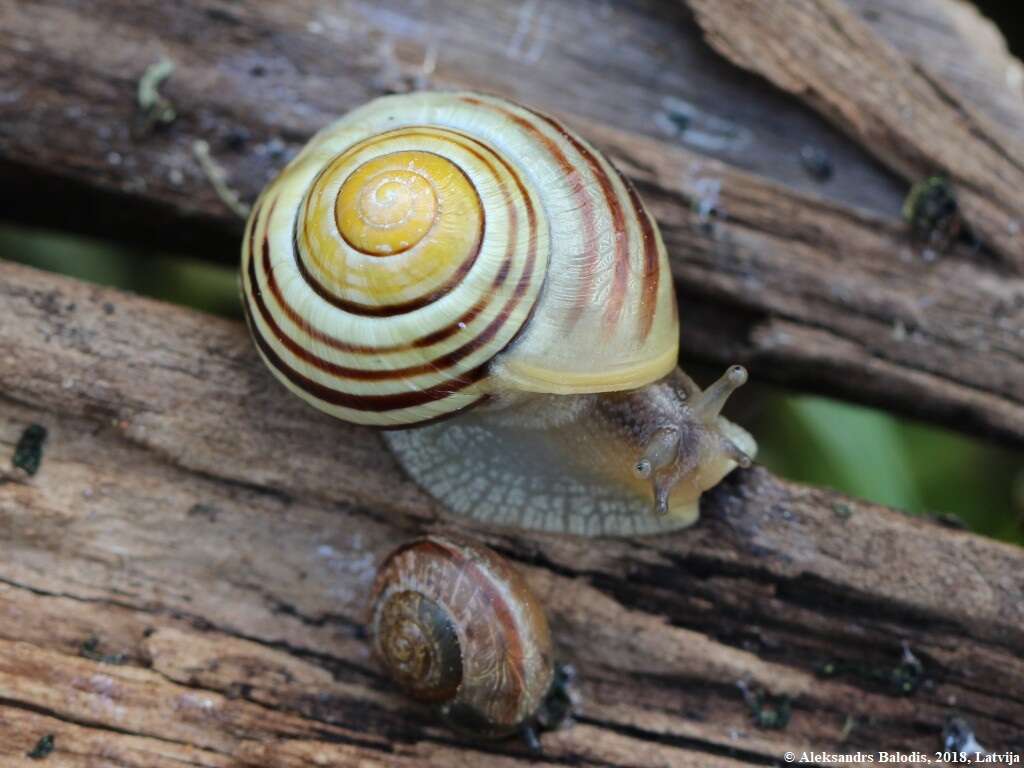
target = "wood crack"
x: 707, y: 748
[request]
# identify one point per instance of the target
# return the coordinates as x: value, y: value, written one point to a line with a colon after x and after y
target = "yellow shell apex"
x: 384, y: 207
x: 412, y: 221
x: 430, y: 249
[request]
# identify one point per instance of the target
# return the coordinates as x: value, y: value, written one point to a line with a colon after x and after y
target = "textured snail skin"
x: 454, y: 624
x: 569, y: 465
x: 438, y: 255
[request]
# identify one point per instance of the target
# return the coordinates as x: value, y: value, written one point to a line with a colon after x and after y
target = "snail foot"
x: 529, y: 735
x: 557, y: 708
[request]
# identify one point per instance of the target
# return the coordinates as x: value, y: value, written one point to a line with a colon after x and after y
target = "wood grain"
x: 811, y: 284
x: 184, y: 580
x: 820, y: 51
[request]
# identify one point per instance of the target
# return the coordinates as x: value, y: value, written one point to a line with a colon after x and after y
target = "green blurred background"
x: 864, y: 452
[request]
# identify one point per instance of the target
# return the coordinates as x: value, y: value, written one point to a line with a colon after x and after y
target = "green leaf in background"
x: 897, y: 462
x: 855, y: 449
x: 178, y: 279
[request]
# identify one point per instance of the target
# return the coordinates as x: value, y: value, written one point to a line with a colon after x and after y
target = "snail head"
x: 694, y: 446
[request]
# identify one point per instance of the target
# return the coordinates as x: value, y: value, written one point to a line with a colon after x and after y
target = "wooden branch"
x: 820, y: 51
x: 951, y: 41
x: 184, y: 579
x: 812, y: 284
x: 833, y: 296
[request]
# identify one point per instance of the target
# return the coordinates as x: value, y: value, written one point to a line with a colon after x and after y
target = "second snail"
x: 457, y: 627
x: 474, y: 273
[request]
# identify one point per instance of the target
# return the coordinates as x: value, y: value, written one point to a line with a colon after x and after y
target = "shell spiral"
x: 453, y: 623
x: 429, y: 250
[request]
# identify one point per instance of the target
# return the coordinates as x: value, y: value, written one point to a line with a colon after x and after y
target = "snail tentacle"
x: 708, y: 404
x: 661, y: 451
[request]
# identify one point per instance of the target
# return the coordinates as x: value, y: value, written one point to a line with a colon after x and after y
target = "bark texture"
x: 913, y: 122
x: 811, y: 283
x: 182, y: 581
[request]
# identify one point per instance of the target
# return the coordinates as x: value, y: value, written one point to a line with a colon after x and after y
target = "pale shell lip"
x: 527, y: 377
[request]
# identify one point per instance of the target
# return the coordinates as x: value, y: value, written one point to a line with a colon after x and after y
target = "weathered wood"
x: 833, y: 297
x: 255, y: 81
x: 820, y: 51
x: 184, y: 579
x: 811, y: 284
x: 954, y: 43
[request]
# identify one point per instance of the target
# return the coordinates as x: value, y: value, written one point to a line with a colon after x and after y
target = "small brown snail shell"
x: 455, y: 625
x: 472, y: 275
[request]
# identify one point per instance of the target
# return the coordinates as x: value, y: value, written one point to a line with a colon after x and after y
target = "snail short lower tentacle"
x: 735, y: 453
x: 663, y: 486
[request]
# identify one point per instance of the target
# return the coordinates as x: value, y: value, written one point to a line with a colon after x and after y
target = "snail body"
x: 471, y: 270
x: 457, y: 627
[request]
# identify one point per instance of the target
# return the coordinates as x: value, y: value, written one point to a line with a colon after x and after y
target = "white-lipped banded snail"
x: 470, y: 271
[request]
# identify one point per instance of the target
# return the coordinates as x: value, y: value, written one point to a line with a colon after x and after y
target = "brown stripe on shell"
x: 250, y: 234
x: 531, y: 224
x: 360, y: 374
x: 652, y: 262
x: 419, y: 423
x: 384, y: 310
x: 620, y: 275
x: 580, y: 195
x: 381, y: 403
x: 430, y: 339
x: 441, y: 363
x: 367, y: 403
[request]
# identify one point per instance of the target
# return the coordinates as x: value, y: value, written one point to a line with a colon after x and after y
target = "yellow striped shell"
x: 430, y: 250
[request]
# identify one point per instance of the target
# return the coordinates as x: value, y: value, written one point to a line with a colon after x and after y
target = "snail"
x: 478, y: 280
x: 455, y: 625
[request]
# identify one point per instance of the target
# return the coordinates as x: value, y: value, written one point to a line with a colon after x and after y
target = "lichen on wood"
x: 28, y: 453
